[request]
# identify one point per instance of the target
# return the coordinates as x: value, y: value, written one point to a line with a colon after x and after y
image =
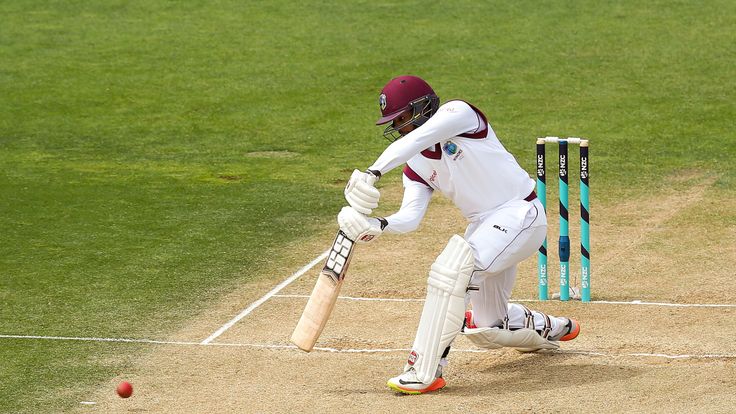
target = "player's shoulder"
x: 456, y: 106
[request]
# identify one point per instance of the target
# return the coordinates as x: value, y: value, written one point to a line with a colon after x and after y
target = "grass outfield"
x: 154, y: 155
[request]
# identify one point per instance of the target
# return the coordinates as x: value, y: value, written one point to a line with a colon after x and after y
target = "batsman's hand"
x: 359, y: 227
x: 360, y: 192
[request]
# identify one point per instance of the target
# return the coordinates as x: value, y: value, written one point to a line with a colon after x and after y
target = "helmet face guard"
x: 422, y: 109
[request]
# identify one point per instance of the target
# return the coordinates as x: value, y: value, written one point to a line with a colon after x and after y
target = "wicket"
x: 566, y: 291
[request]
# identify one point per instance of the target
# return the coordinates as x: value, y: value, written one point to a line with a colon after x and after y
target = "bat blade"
x: 324, y: 295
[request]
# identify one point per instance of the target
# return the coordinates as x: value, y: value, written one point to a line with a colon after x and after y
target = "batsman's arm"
x: 452, y: 119
x: 413, y: 208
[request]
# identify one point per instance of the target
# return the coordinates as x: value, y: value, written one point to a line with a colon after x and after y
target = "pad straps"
x: 529, y: 322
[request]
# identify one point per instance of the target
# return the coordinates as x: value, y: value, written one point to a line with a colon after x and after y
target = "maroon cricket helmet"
x: 403, y: 93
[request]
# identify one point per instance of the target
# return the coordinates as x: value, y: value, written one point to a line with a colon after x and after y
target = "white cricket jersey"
x: 457, y: 153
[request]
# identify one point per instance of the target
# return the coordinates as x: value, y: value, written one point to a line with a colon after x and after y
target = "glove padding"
x: 360, y: 192
x: 357, y: 226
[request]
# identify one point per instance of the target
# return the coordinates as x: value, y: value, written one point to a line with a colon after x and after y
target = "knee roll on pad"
x: 444, y: 309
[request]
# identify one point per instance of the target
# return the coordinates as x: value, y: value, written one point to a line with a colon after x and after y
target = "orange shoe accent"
x: 434, y: 386
x: 469, y: 320
x: 573, y: 332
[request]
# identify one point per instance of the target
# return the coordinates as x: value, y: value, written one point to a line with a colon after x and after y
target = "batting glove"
x: 359, y: 227
x: 360, y: 192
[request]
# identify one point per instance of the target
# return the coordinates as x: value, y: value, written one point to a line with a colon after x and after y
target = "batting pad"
x: 523, y: 340
x: 444, y: 309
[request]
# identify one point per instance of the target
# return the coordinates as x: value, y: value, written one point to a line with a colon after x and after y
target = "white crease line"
x: 599, y: 302
x: 86, y: 339
x: 225, y: 344
x: 356, y: 298
x: 324, y: 349
x: 366, y: 350
x: 266, y: 297
x: 300, y: 272
x: 678, y: 305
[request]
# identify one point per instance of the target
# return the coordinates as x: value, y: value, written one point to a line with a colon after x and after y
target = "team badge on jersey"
x: 382, y: 101
x: 452, y: 150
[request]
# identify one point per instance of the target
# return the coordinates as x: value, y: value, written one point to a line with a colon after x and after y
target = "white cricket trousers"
x: 500, y: 241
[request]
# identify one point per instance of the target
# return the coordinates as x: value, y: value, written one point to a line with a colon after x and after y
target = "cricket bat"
x: 324, y: 295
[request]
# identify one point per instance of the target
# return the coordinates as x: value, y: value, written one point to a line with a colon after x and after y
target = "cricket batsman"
x: 451, y: 148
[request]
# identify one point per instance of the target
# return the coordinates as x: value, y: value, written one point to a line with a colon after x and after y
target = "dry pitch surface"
x: 628, y: 357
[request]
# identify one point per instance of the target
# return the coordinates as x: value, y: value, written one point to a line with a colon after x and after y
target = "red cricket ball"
x: 125, y: 390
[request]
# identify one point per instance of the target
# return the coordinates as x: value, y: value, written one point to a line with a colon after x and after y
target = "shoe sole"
x: 574, y: 333
x: 436, y: 385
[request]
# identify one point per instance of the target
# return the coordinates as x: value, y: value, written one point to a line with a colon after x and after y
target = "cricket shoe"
x: 407, y: 383
x: 569, y: 332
